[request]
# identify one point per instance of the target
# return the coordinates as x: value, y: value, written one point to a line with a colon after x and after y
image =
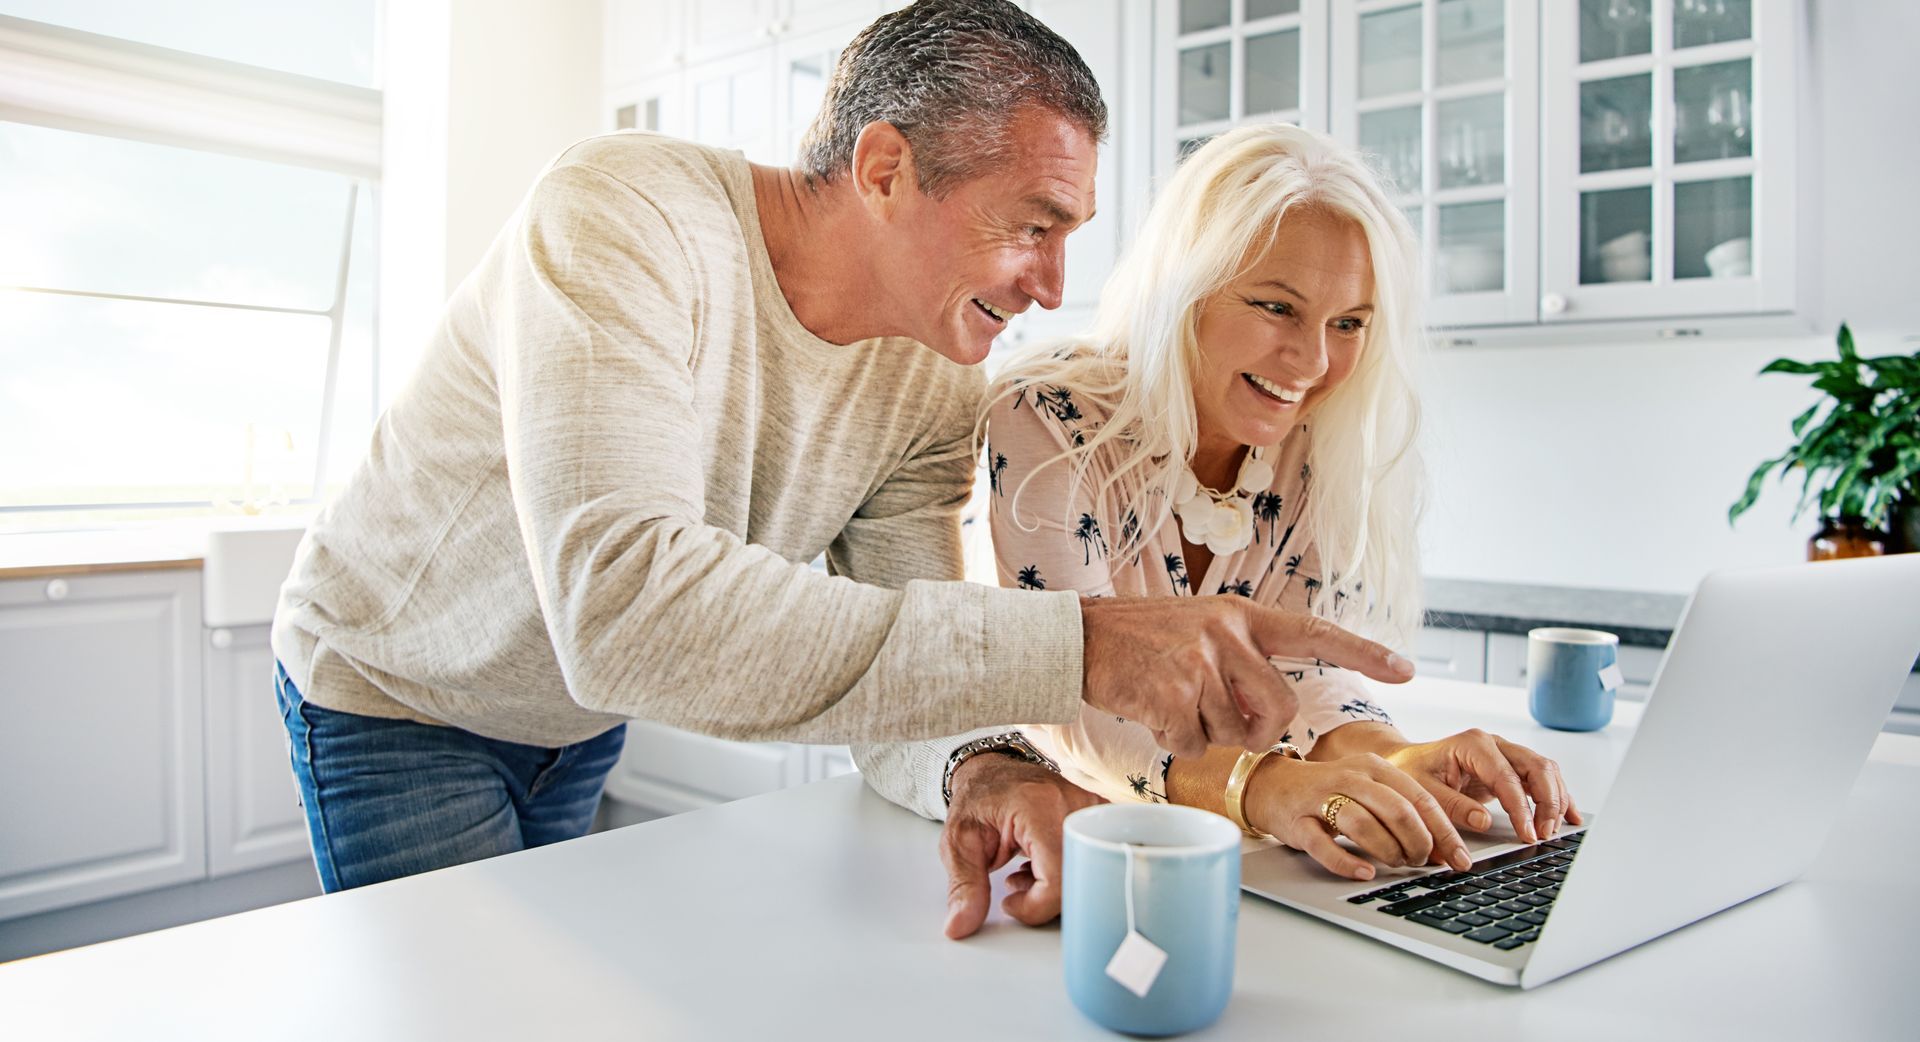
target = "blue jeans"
x: 389, y: 798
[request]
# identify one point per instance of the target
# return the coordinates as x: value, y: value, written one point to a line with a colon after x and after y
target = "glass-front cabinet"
x: 1220, y: 63
x: 1669, y: 158
x: 1441, y: 96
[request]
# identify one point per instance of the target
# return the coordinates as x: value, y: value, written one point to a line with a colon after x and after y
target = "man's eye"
x: 1036, y: 231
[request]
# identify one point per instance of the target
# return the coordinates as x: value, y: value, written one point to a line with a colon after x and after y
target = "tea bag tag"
x: 1611, y: 678
x: 1137, y: 962
x: 1136, y: 965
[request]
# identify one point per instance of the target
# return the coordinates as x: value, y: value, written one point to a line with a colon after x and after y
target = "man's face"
x: 961, y: 266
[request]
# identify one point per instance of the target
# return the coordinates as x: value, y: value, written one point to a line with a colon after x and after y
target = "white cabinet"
x: 1218, y: 63
x: 671, y: 771
x: 101, y: 748
x: 1507, y: 664
x: 253, y: 806
x: 641, y: 39
x: 1670, y: 156
x: 1443, y: 93
x: 1449, y: 653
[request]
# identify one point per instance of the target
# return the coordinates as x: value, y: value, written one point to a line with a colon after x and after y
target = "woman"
x: 1241, y: 420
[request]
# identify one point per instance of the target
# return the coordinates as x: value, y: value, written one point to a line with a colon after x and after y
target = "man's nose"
x: 1046, y: 275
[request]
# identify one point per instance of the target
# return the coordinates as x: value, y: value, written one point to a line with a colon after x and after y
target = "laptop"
x: 1754, y: 650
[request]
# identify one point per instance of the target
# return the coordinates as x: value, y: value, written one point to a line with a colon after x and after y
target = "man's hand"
x: 1194, y: 670
x: 1004, y: 806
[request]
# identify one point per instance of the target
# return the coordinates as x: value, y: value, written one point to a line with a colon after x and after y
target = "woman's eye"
x: 1349, y: 325
x: 1278, y: 307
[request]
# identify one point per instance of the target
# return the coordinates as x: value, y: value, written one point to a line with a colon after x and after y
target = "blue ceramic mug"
x: 1571, y: 677
x: 1180, y: 869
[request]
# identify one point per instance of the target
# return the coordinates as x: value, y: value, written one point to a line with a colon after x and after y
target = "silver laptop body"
x: 1824, y: 647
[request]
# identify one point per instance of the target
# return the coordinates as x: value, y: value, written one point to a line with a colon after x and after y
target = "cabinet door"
x: 844, y: 17
x: 1222, y: 63
x: 801, y: 65
x: 253, y: 807
x: 100, y: 737
x: 1452, y: 654
x: 730, y: 105
x: 1507, y: 665
x: 1669, y: 158
x: 717, y: 28
x: 1443, y: 95
x: 658, y: 104
x: 829, y: 761
x: 672, y: 771
x: 643, y: 39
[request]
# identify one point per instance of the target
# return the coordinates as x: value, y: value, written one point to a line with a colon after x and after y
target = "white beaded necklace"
x: 1222, y: 521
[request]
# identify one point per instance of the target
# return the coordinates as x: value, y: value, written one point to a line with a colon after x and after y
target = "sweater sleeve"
x: 654, y: 614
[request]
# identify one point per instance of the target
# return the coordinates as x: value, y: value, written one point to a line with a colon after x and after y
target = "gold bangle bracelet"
x: 1237, y: 789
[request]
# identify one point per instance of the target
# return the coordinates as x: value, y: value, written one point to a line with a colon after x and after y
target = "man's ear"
x: 883, y: 171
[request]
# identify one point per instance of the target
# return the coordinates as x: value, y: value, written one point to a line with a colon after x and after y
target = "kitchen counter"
x: 815, y: 912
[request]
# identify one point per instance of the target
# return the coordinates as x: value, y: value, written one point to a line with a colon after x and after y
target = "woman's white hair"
x: 1213, y: 218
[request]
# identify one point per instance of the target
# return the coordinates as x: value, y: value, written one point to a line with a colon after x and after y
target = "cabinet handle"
x: 221, y: 638
x: 57, y: 590
x: 1553, y: 303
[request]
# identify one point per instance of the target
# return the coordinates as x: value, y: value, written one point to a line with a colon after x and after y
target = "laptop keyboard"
x: 1502, y: 900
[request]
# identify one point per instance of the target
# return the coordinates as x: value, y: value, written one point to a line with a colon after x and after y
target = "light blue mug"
x: 1571, y: 677
x: 1179, y: 868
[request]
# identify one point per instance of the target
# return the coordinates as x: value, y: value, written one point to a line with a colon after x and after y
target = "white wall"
x: 480, y: 96
x: 1613, y: 465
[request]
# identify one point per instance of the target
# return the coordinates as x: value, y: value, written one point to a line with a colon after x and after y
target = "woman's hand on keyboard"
x: 1391, y: 817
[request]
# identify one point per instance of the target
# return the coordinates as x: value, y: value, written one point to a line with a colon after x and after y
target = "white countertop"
x: 816, y: 912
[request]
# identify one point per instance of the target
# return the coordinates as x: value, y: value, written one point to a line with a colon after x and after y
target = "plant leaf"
x: 1800, y: 421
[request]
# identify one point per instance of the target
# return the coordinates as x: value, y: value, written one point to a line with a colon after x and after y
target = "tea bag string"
x: 1129, y: 888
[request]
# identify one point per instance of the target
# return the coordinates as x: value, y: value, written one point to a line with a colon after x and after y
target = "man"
x: 673, y: 381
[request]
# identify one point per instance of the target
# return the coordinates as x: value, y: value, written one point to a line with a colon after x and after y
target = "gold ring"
x: 1330, y: 811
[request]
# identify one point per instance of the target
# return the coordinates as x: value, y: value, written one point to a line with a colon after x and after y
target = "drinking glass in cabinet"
x: 1697, y: 23
x: 1712, y: 111
x: 1616, y: 235
x: 1471, y: 134
x: 1472, y: 256
x: 1615, y: 28
x: 1713, y: 229
x: 1392, y: 136
x: 1616, y: 123
x: 1201, y: 15
x: 1257, y: 9
x: 1472, y: 44
x: 1203, y: 83
x: 1273, y: 73
x: 1390, y: 52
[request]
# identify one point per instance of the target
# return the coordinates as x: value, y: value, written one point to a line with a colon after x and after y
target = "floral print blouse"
x: 1043, y: 542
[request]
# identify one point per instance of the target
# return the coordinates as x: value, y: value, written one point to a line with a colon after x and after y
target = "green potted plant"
x: 1861, y: 458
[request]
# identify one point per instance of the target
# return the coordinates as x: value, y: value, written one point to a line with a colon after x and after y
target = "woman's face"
x: 1284, y: 334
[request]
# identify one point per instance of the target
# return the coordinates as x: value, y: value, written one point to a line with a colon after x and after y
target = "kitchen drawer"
x: 1452, y: 654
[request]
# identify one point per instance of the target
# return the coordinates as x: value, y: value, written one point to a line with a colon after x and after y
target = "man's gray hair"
x: 949, y: 74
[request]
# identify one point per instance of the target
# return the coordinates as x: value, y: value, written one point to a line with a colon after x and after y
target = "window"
x: 186, y: 262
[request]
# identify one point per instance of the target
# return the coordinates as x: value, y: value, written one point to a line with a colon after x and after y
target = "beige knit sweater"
x: 598, y: 497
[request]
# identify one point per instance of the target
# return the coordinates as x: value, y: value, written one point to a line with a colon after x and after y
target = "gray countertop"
x: 1643, y: 619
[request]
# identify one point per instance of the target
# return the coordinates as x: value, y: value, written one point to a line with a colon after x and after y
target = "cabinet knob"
x: 1553, y: 303
x: 222, y: 639
x: 57, y: 590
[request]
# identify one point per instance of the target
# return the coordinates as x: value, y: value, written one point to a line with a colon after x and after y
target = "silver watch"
x: 1009, y: 743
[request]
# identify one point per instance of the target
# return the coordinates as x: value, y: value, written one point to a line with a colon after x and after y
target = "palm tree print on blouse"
x: 1130, y: 531
x: 1029, y: 578
x: 1362, y: 708
x: 1243, y: 588
x: 1176, y: 570
x: 1266, y: 508
x: 1313, y: 587
x: 1059, y: 402
x: 1088, y: 532
x: 1144, y: 789
x: 995, y: 470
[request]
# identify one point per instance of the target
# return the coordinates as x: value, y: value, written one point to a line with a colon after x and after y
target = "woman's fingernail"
x: 1400, y: 664
x: 1478, y: 819
x: 1364, y: 872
